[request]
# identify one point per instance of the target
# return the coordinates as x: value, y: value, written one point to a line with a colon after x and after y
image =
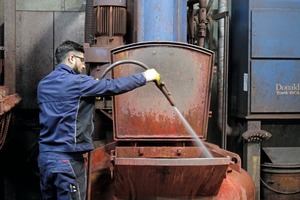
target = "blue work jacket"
x: 66, y: 101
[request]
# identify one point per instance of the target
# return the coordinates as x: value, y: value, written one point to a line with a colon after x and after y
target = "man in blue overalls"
x: 66, y: 101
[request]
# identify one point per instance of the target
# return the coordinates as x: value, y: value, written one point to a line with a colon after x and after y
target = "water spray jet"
x: 162, y: 87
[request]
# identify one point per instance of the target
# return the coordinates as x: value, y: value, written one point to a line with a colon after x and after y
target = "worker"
x: 66, y: 102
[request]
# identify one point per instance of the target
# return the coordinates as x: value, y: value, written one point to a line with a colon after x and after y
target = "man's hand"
x: 152, y: 75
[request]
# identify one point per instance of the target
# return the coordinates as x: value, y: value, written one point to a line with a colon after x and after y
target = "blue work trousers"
x: 62, y: 176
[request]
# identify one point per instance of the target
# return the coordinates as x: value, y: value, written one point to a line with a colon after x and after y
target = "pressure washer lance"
x: 162, y: 87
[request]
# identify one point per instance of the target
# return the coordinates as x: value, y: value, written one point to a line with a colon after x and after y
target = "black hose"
x: 110, y: 67
x: 160, y: 85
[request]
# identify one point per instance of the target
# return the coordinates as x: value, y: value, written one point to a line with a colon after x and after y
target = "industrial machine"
x: 153, y: 154
x: 265, y: 92
x: 223, y: 123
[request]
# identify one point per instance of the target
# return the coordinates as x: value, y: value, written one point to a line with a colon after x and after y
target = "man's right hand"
x: 152, y: 75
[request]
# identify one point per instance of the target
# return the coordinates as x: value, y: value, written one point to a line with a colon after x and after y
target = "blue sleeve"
x: 105, y: 87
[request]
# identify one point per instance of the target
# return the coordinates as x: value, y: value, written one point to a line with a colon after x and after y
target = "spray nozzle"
x: 161, y: 85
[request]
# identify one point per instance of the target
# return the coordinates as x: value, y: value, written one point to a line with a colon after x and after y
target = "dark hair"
x: 64, y: 48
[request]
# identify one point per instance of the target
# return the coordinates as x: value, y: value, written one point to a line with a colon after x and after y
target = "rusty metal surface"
x: 171, y: 162
x: 238, y: 183
x: 109, y: 27
x: 167, y: 177
x: 110, y: 21
x: 163, y: 181
x: 280, y: 182
x: 236, y: 186
x: 145, y: 113
x: 100, y: 157
x: 100, y: 184
x: 7, y: 101
x: 169, y: 152
x: 159, y: 152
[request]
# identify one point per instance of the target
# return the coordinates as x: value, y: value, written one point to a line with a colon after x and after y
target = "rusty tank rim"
x: 172, y: 162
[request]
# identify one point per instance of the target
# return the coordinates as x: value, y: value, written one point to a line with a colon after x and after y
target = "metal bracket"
x: 256, y: 136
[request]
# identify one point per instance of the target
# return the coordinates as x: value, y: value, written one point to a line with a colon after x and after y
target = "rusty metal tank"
x: 145, y: 114
x: 156, y: 157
